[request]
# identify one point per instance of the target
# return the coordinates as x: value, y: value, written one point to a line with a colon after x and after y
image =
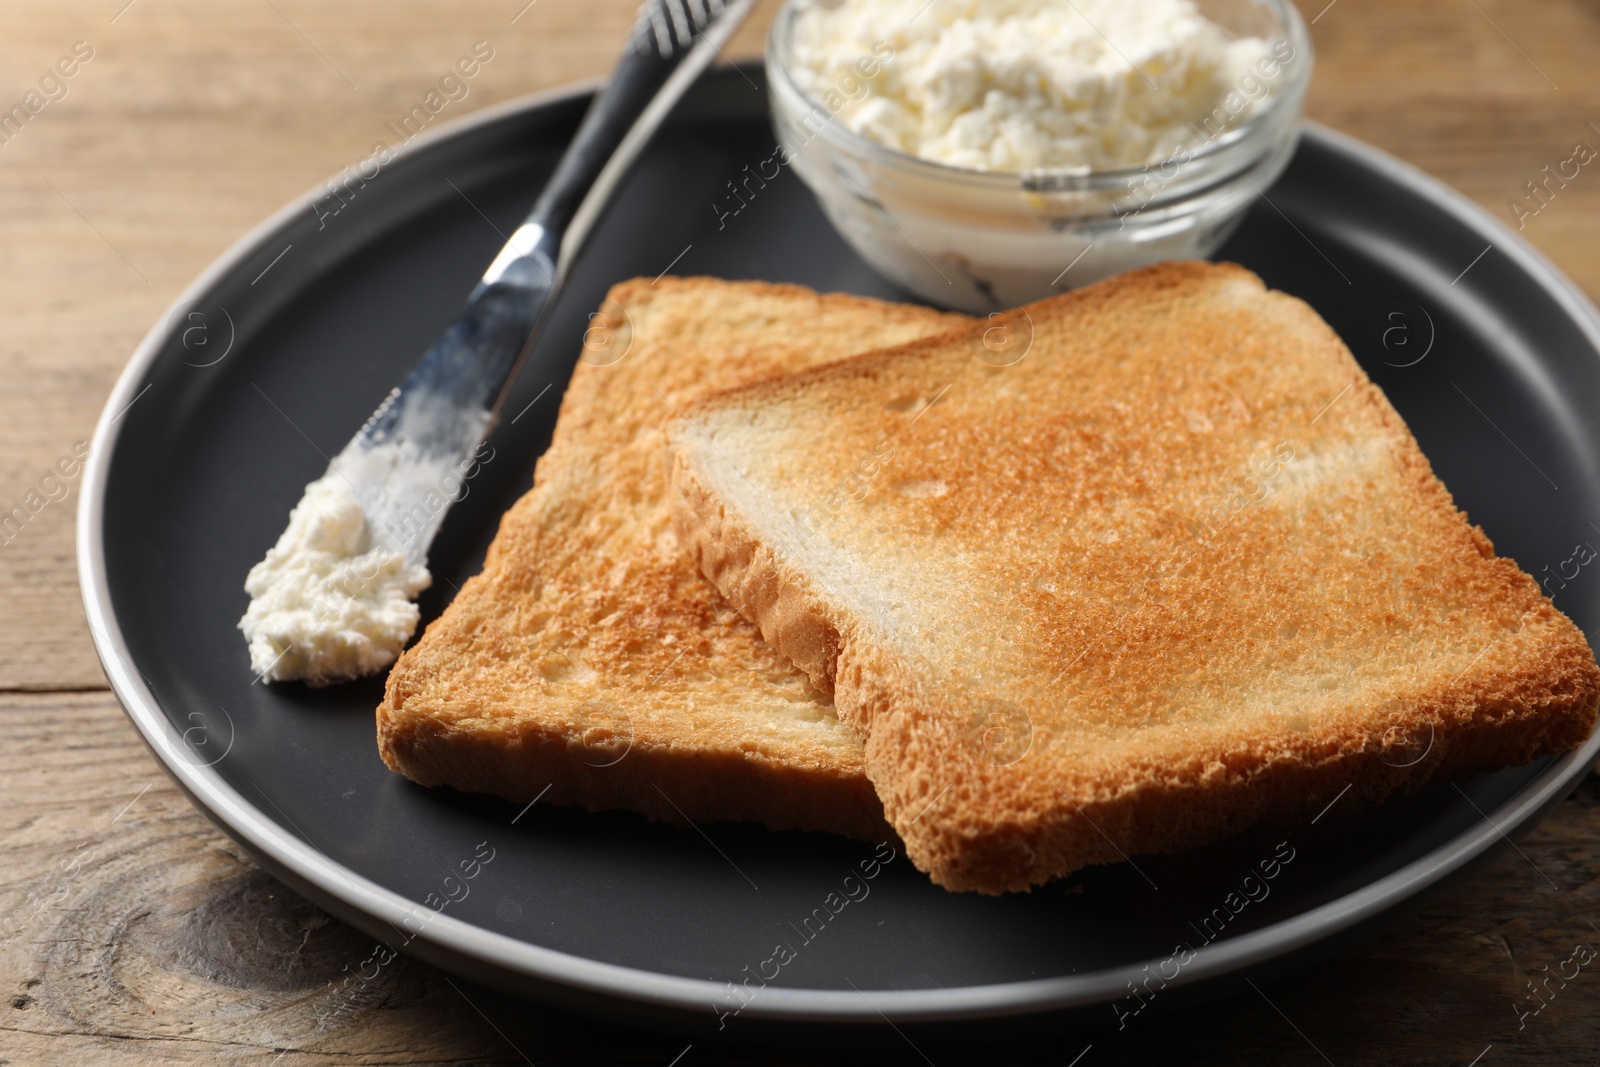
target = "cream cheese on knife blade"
x: 327, y: 604
x: 332, y: 600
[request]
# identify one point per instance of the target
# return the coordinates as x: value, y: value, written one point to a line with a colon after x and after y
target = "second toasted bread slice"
x: 589, y: 657
x: 1163, y: 564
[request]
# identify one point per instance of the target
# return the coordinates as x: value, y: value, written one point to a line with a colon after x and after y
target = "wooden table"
x: 131, y: 931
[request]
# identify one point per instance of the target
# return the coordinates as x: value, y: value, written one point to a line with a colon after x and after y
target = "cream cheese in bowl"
x: 974, y: 150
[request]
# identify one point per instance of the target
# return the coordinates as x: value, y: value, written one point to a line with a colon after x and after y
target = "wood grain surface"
x: 133, y: 932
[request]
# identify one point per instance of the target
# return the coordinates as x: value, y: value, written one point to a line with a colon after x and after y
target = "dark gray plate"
x: 274, y: 357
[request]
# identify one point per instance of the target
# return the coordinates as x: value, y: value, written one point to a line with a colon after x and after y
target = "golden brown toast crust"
x: 589, y: 656
x: 1180, y: 568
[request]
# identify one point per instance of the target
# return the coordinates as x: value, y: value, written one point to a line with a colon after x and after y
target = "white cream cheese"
x: 1018, y: 85
x: 326, y: 604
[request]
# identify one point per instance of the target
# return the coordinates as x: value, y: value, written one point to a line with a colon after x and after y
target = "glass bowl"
x: 984, y: 240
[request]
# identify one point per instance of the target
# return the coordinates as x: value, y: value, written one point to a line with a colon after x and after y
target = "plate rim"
x: 451, y: 939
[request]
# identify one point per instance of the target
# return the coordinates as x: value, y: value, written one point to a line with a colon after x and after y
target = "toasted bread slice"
x: 1177, y: 568
x: 589, y: 656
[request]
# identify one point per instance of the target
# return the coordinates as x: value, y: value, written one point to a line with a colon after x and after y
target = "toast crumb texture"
x: 1178, y: 568
x: 589, y: 656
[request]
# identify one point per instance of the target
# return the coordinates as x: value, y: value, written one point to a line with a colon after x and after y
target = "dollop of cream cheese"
x: 1018, y: 85
x: 326, y: 604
